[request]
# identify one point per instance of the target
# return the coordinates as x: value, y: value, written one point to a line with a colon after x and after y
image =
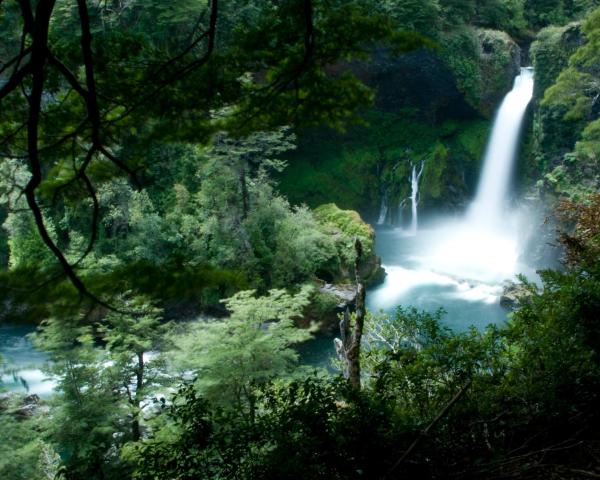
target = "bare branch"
x: 15, y: 60
x: 15, y: 80
x: 427, y: 429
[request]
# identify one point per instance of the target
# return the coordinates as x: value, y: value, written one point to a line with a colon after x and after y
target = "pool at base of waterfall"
x: 458, y: 264
x: 412, y: 280
x: 416, y: 279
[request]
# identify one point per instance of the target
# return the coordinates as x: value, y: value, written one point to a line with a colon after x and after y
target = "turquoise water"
x: 21, y: 362
x: 412, y: 281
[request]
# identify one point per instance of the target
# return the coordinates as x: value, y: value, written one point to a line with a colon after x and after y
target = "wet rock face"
x: 422, y: 80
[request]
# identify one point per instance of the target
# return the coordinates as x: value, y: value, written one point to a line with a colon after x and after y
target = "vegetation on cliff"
x: 567, y: 131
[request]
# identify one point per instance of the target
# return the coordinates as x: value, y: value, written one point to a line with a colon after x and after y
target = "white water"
x: 484, y: 245
x: 490, y: 201
x: 383, y: 210
x: 459, y: 264
x: 414, y: 196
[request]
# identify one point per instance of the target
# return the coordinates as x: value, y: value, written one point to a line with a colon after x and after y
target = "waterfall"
x: 383, y: 210
x: 484, y: 244
x: 414, y: 196
x: 461, y: 262
x: 501, y: 152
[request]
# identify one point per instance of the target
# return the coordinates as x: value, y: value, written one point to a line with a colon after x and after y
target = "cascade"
x: 414, y: 196
x: 400, y: 216
x: 461, y: 263
x: 383, y: 210
x: 501, y: 152
x: 484, y: 244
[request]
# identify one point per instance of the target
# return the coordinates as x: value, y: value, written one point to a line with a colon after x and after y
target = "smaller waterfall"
x: 414, y: 196
x: 400, y: 216
x: 383, y: 210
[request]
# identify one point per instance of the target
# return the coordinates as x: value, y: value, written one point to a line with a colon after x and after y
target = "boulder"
x: 327, y: 303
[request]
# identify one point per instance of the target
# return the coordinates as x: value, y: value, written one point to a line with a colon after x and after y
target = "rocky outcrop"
x: 328, y: 302
x: 344, y: 294
x: 499, y: 62
x: 345, y: 226
x: 512, y: 295
x: 19, y: 406
x: 420, y: 81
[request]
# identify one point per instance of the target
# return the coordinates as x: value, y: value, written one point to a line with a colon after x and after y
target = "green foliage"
x: 351, y: 170
x: 506, y: 15
x: 550, y: 54
x: 134, y: 342
x: 23, y: 452
x: 541, y: 13
x: 101, y: 392
x: 345, y: 227
x: 526, y: 388
x: 566, y: 139
x: 414, y: 15
x: 460, y: 52
x: 251, y: 347
x: 539, y: 375
x: 349, y: 224
x: 85, y: 417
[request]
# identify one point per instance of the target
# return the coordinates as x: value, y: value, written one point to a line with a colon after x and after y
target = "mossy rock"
x: 499, y: 61
x: 484, y: 63
x: 345, y: 226
x: 550, y: 54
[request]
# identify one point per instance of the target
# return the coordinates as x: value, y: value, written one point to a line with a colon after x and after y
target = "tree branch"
x: 425, y: 432
x: 15, y: 80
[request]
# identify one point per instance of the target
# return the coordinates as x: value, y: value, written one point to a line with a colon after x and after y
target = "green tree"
x: 84, y: 425
x: 108, y: 79
x: 134, y: 344
x: 251, y: 347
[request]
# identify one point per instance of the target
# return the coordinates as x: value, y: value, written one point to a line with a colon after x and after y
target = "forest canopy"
x: 188, y: 195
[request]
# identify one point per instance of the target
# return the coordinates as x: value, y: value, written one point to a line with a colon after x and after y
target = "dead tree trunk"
x: 348, y: 346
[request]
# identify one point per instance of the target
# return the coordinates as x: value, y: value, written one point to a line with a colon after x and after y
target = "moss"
x: 433, y: 181
x: 460, y: 52
x: 483, y: 62
x: 550, y: 54
x: 353, y: 169
x: 345, y: 226
x: 349, y: 224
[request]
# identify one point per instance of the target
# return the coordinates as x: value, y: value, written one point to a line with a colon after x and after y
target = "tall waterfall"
x: 484, y: 244
x: 501, y: 152
x: 414, y: 196
x: 460, y: 263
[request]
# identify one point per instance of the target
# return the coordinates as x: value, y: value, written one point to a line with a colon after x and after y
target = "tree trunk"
x: 348, y: 346
x: 244, y: 192
x: 139, y: 385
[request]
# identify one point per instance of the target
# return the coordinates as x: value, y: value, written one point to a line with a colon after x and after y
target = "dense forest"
x: 195, y: 193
